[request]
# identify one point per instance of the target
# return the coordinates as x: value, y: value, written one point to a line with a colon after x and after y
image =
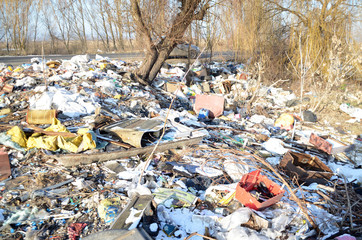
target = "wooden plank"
x: 69, y: 160
x: 50, y: 133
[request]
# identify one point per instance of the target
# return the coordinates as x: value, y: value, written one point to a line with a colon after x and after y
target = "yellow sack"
x: 77, y: 140
x: 18, y: 136
x: 56, y: 126
x: 87, y: 142
x: 82, y: 131
x: 44, y: 142
x: 77, y: 144
x: 68, y: 145
x: 80, y: 143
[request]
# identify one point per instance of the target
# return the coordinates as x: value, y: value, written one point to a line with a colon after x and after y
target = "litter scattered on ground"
x: 87, y: 153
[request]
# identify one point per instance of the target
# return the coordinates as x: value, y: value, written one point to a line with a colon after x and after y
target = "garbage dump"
x: 87, y: 153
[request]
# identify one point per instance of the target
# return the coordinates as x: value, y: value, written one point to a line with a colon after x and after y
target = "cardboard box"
x: 305, y: 168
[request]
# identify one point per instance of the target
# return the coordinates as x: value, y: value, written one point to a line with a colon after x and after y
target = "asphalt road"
x: 18, y: 60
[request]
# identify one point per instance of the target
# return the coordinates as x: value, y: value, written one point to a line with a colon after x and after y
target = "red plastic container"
x: 249, y: 182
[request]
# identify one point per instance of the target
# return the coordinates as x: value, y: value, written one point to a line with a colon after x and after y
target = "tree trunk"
x: 153, y: 62
x: 157, y: 53
x: 144, y: 71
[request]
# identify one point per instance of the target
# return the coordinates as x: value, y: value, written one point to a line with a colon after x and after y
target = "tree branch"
x: 141, y: 26
x: 200, y: 15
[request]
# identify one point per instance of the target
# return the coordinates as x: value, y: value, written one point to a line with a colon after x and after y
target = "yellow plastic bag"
x: 44, y: 142
x: 103, y: 66
x: 18, y: 136
x: 69, y: 145
x: 18, y: 69
x: 87, y: 140
x: 80, y: 143
x: 82, y: 131
x: 56, y: 126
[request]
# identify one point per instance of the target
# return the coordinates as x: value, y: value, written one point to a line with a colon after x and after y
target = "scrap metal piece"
x: 133, y: 131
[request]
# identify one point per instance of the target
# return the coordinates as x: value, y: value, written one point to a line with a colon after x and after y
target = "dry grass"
x: 93, y: 47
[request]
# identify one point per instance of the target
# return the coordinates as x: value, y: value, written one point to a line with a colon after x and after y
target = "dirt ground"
x: 329, y: 113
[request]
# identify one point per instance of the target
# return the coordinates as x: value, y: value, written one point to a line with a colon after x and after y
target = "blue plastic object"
x: 203, y: 114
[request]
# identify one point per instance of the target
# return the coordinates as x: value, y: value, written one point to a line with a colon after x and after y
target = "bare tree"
x: 16, y: 22
x: 313, y: 24
x: 160, y: 39
x: 78, y: 23
x: 37, y: 10
x: 60, y: 22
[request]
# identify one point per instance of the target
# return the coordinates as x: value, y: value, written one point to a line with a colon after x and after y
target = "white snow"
x: 134, y: 218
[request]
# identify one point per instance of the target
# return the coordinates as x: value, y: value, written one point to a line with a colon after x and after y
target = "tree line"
x: 306, y: 36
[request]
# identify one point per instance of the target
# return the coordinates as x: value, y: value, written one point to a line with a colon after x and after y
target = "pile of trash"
x: 210, y: 153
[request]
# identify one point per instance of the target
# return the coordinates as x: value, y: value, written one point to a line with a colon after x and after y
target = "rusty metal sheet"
x: 132, y: 131
x: 320, y: 143
x: 5, y: 170
x: 214, y: 103
x: 305, y: 168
